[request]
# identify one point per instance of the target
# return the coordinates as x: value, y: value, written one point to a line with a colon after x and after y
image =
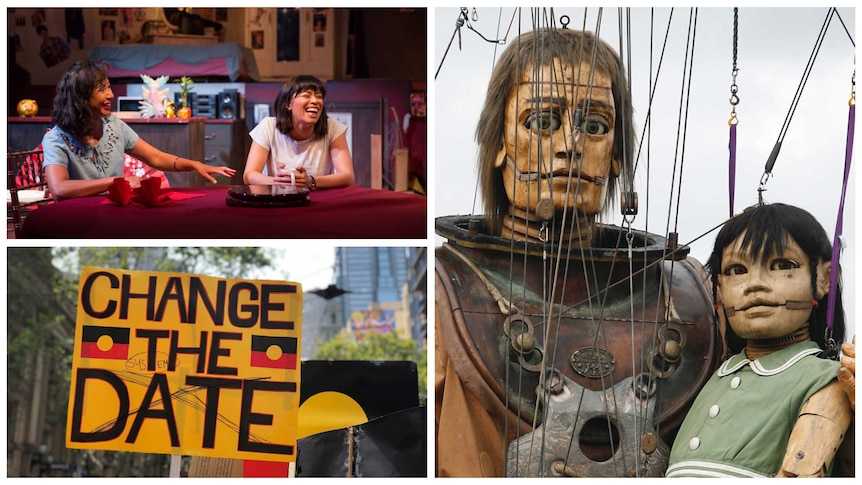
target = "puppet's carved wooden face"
x: 541, y: 149
x: 754, y: 294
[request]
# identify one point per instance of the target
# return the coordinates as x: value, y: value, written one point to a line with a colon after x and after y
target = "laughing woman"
x: 84, y: 150
x: 300, y: 145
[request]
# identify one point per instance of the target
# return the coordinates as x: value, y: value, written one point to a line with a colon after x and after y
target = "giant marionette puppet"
x: 776, y: 406
x: 564, y: 347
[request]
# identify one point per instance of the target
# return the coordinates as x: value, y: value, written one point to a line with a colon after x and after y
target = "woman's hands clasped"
x: 297, y: 176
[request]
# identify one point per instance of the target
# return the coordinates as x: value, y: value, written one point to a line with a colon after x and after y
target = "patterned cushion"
x: 134, y: 167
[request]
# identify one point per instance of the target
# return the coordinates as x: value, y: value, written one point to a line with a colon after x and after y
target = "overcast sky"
x: 773, y: 49
x: 308, y: 263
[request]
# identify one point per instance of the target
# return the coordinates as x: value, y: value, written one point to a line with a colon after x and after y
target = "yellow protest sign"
x: 186, y: 364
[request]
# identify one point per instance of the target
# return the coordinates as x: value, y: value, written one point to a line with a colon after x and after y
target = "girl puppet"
x: 300, y: 143
x: 84, y: 151
x: 775, y: 407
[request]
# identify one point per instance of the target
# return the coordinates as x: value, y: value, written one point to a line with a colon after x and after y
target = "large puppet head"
x: 556, y: 125
x: 770, y: 270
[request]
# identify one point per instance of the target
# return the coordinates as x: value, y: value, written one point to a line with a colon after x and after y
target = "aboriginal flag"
x: 286, y: 358
x: 114, y: 342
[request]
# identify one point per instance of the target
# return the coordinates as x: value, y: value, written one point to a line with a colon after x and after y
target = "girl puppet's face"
x: 754, y: 295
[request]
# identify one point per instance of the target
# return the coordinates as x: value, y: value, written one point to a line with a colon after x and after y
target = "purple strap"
x: 839, y: 225
x: 731, y: 177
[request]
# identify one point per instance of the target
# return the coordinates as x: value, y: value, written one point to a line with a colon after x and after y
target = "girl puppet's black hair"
x: 767, y: 229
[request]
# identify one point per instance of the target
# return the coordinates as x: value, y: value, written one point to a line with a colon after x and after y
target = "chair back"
x: 26, y: 183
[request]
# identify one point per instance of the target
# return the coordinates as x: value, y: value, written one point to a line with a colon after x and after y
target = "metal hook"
x: 762, y: 188
x: 460, y: 23
x: 832, y: 349
x: 630, y: 237
x: 733, y: 118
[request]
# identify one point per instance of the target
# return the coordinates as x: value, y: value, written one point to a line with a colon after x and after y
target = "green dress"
x: 740, y: 422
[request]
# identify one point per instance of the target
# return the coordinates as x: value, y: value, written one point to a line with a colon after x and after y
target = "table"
x: 348, y: 213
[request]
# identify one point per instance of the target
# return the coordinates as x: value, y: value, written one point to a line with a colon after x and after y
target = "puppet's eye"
x: 543, y: 121
x: 779, y: 264
x: 735, y: 269
x: 595, y: 125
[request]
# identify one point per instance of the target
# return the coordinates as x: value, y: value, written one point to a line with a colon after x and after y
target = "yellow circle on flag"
x: 105, y: 343
x: 274, y: 352
x: 327, y: 411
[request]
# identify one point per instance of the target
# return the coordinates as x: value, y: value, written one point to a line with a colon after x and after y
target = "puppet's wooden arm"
x: 847, y: 373
x: 817, y: 434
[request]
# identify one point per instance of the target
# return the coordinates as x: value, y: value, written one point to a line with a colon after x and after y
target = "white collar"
x: 770, y: 364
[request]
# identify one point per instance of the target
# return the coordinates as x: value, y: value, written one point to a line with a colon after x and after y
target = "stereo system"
x: 202, y: 105
x: 228, y: 103
x: 225, y: 105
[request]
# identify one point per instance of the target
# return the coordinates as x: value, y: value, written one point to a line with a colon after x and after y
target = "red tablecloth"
x: 352, y: 212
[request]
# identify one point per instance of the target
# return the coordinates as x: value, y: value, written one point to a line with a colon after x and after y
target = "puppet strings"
x: 539, y: 61
x: 773, y: 156
x: 546, y: 317
x: 464, y: 20
x: 593, y: 291
x: 590, y: 298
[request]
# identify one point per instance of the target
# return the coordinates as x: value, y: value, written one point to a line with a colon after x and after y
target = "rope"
x: 770, y: 162
x: 733, y: 121
x: 464, y: 20
x: 839, y: 225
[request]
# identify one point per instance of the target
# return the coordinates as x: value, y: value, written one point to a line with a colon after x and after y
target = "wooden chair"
x: 26, y: 184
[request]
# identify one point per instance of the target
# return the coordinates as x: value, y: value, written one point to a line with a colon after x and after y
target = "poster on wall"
x: 319, y: 27
x: 257, y: 39
x: 53, y: 50
x: 44, y: 42
x: 109, y: 30
x: 319, y: 20
x: 126, y: 17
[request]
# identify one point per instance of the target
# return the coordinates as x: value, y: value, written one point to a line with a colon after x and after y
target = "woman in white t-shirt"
x: 300, y: 145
